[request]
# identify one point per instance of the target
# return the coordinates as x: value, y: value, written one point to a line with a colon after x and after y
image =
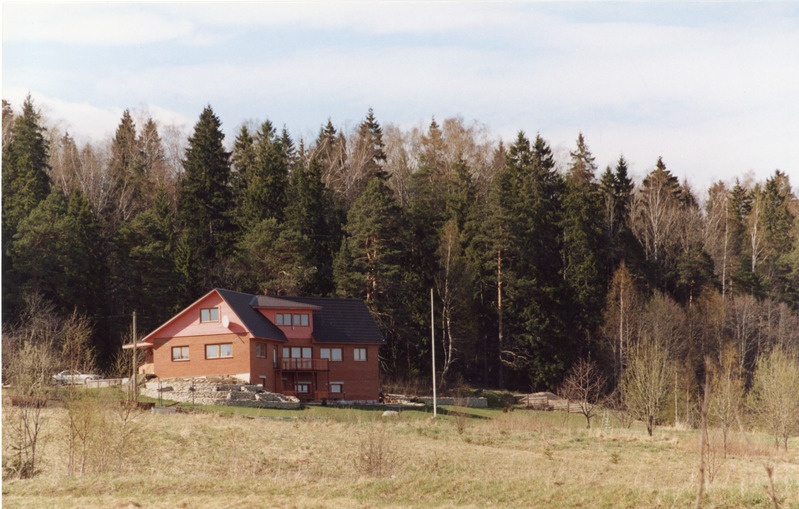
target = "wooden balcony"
x: 304, y: 364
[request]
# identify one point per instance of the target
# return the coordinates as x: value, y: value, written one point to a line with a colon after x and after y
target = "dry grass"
x: 346, y: 458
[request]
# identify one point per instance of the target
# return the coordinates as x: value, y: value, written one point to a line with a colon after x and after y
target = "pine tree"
x: 205, y: 206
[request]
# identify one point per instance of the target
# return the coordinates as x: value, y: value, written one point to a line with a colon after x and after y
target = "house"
x: 312, y: 348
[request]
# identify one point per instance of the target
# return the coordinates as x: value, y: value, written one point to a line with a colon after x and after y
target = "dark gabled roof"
x: 266, y: 302
x: 334, y: 320
x: 252, y: 320
x: 341, y: 321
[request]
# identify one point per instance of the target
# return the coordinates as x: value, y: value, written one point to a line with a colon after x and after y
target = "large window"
x: 260, y: 350
x: 221, y: 351
x: 296, y: 352
x: 209, y: 315
x: 360, y: 354
x: 331, y: 354
x: 292, y: 320
x: 180, y: 353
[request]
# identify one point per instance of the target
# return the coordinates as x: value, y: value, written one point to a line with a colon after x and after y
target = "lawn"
x: 330, y: 457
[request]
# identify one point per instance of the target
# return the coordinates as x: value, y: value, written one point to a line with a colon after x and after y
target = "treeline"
x: 534, y: 265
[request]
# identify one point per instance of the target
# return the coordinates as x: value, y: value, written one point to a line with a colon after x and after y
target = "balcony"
x: 304, y: 364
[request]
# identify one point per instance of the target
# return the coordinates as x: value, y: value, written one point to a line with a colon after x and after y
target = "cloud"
x: 90, y: 23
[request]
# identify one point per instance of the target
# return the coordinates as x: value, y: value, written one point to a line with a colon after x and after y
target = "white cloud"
x: 90, y: 23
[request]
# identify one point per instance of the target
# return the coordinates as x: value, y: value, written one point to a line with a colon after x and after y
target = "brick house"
x: 312, y: 348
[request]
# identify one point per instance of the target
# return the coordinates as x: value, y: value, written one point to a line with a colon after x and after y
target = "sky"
x: 712, y: 87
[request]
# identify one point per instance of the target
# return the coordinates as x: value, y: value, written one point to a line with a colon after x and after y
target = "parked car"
x: 73, y: 377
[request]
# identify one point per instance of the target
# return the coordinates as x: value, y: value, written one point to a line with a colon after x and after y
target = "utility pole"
x: 134, y: 377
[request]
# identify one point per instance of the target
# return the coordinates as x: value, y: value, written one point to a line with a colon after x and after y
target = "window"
x: 289, y: 320
x: 335, y: 387
x: 274, y: 356
x: 303, y: 388
x: 360, y: 354
x: 180, y: 353
x: 225, y: 350
x: 332, y: 354
x: 209, y: 315
x: 260, y: 350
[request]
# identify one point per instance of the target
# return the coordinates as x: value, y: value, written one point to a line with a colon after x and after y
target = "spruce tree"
x: 26, y: 184
x: 527, y: 224
x: 584, y: 260
x: 311, y: 213
x: 370, y: 266
x: 25, y: 168
x: 205, y: 206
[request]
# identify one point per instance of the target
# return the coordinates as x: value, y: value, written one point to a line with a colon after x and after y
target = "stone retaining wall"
x: 467, y: 402
x: 203, y: 391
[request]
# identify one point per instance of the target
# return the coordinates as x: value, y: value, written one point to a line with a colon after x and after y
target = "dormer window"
x: 209, y: 315
x: 292, y: 320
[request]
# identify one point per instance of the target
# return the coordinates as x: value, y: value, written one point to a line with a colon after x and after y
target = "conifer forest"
x: 536, y: 261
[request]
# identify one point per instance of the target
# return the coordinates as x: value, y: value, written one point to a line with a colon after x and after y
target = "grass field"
x: 325, y: 457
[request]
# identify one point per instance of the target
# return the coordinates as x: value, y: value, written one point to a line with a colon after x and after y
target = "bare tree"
x: 620, y: 318
x: 725, y: 392
x: 452, y: 285
x: 773, y: 399
x: 28, y: 363
x: 585, y: 385
x: 646, y: 382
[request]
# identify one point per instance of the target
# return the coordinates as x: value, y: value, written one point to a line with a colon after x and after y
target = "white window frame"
x: 359, y: 354
x: 336, y: 385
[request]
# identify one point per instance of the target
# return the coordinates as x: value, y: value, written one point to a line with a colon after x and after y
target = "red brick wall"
x: 198, y: 365
x: 361, y: 379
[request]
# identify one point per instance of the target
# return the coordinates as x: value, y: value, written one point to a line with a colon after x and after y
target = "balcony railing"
x: 304, y: 364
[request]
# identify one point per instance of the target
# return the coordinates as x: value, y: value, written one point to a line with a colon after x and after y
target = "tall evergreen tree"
x: 370, y: 266
x: 205, y: 206
x: 25, y: 168
x: 69, y: 268
x: 127, y: 188
x: 527, y: 214
x: 26, y: 184
x: 312, y: 214
x: 584, y: 256
x: 146, y: 247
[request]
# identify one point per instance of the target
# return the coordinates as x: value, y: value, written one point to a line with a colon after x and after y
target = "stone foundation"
x: 216, y: 392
